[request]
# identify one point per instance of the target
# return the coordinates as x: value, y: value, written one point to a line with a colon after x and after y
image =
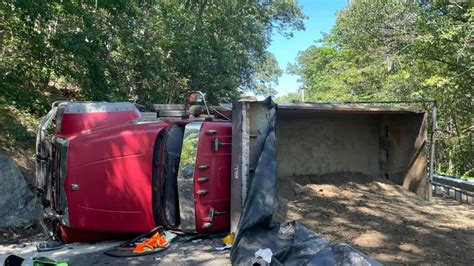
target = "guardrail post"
x: 432, y: 153
x: 458, y: 196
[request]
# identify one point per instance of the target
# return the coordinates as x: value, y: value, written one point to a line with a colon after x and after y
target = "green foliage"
x: 190, y: 144
x: 266, y: 75
x: 16, y: 127
x: 469, y: 175
x: 141, y: 51
x: 402, y: 51
x: 289, y: 98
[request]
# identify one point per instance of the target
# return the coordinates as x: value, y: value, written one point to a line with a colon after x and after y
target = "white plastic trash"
x: 265, y: 254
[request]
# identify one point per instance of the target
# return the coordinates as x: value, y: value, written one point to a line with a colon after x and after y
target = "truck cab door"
x: 204, y: 177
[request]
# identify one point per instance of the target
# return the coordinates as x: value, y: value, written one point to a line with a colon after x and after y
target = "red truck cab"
x: 108, y: 169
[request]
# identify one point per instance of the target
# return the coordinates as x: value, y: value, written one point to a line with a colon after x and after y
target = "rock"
x: 18, y: 207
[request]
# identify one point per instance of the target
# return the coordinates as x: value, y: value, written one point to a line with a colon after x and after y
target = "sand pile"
x: 381, y: 218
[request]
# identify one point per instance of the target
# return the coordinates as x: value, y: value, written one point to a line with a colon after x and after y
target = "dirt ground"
x: 21, y: 235
x: 380, y: 218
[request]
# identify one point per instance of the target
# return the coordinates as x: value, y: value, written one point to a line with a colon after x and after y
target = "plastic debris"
x: 157, y: 240
x: 144, y: 244
x: 223, y: 248
x: 22, y: 245
x: 36, y: 261
x: 50, y: 245
x: 228, y: 239
x: 169, y: 236
x: 265, y: 254
x: 196, y: 240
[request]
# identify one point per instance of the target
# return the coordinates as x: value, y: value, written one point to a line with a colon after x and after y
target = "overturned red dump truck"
x: 107, y: 168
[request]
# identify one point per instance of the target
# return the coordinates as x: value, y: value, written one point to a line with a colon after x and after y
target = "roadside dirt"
x: 9, y: 236
x: 380, y: 218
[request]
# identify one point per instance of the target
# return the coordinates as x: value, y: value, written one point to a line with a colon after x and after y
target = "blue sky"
x: 321, y: 17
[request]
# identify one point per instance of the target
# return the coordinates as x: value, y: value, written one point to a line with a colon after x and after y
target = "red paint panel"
x: 113, y: 169
x: 73, y: 123
x: 71, y: 235
x: 218, y: 172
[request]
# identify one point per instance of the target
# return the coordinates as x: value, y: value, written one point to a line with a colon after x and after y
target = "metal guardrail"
x: 462, y: 190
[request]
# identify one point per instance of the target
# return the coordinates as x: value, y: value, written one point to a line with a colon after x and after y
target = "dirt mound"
x: 379, y: 217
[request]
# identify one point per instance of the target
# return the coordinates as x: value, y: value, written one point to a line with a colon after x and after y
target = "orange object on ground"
x: 158, y: 240
x: 142, y: 247
x: 151, y: 243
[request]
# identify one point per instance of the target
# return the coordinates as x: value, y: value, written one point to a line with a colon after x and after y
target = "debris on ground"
x: 13, y: 260
x: 222, y: 248
x: 50, y: 245
x: 15, y: 235
x: 182, y: 253
x: 380, y: 218
x: 229, y: 239
x: 179, y: 253
x: 152, y: 242
x: 266, y: 254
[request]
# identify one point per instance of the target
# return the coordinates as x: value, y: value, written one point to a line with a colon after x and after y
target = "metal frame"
x: 432, y: 151
x: 370, y: 102
x: 250, y: 125
x: 460, y: 187
x: 43, y: 159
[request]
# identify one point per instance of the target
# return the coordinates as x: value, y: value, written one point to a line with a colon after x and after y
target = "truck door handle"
x: 216, y: 144
x: 212, y: 213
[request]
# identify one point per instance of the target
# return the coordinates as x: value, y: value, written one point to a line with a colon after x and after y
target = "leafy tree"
x: 142, y: 51
x: 266, y: 75
x: 402, y: 51
x: 289, y: 98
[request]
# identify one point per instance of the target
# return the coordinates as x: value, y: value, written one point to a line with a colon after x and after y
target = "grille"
x: 59, y: 173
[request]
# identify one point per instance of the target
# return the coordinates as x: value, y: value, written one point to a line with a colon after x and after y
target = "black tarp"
x: 291, y: 243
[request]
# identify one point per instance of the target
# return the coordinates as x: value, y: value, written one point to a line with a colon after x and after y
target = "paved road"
x: 201, y: 253
x: 188, y: 253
